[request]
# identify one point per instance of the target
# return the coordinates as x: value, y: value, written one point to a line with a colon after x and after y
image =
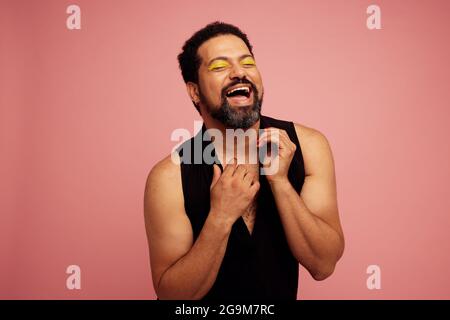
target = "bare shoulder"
x: 167, y: 169
x: 308, y: 135
x: 163, y: 190
x: 316, y: 149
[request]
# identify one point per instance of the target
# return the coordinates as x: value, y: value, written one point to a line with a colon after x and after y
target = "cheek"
x: 254, y: 75
x: 209, y: 84
x: 257, y: 80
x: 211, y: 89
x: 214, y: 85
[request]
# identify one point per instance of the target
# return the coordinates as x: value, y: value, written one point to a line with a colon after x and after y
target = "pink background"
x: 85, y: 114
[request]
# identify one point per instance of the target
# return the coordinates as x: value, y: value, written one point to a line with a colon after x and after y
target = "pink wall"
x: 86, y: 113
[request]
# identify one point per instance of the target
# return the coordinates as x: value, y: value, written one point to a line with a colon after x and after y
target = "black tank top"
x: 259, y: 265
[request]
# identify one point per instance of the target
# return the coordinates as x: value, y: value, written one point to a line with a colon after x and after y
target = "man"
x: 222, y: 230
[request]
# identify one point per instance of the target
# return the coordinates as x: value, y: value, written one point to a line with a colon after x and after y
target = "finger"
x: 279, y: 137
x: 277, y: 132
x: 240, y: 172
x: 270, y: 162
x: 282, y: 139
x: 285, y: 139
x: 249, y: 178
x: 284, y: 135
x: 287, y: 143
x: 230, y: 168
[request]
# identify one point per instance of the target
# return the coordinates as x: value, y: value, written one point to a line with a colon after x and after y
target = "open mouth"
x: 239, y: 94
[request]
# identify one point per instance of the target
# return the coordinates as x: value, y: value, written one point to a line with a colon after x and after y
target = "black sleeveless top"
x: 259, y: 265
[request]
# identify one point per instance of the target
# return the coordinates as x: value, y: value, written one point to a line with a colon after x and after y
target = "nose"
x: 237, y: 71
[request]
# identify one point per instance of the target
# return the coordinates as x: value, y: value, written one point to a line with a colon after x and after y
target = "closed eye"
x: 248, y: 61
x: 218, y: 65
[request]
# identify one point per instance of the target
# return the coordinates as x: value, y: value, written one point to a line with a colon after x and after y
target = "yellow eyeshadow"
x: 218, y: 64
x: 248, y: 61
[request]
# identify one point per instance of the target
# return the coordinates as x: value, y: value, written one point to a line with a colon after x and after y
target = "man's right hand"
x: 232, y: 191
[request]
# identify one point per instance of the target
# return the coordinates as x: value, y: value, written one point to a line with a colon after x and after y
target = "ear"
x: 192, y: 89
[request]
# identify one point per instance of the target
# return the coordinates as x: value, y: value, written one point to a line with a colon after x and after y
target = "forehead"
x: 229, y: 46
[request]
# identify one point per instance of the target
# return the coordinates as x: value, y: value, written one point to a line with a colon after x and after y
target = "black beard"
x: 242, y: 117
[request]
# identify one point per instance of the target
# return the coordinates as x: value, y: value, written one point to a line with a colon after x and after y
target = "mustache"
x: 243, y: 80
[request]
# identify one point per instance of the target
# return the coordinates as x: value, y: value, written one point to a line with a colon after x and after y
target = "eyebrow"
x: 227, y: 59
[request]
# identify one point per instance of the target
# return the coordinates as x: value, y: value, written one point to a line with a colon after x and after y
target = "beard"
x: 242, y: 117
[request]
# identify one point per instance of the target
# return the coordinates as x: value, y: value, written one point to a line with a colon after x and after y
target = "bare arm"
x: 182, y: 269
x: 311, y: 219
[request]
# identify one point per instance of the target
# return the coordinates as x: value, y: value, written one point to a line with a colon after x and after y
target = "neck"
x: 235, y: 144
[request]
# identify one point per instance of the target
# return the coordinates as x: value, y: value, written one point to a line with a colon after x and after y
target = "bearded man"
x: 224, y: 230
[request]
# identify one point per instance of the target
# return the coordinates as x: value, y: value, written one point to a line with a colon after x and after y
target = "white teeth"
x: 239, y: 88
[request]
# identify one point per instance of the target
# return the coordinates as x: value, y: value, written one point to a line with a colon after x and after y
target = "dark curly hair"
x: 189, y: 60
